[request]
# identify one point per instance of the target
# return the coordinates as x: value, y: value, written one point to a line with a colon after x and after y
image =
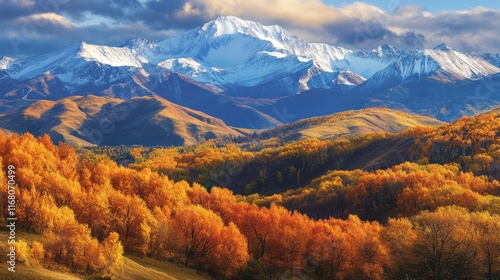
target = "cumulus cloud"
x: 357, y: 25
x: 46, y: 19
x: 470, y: 30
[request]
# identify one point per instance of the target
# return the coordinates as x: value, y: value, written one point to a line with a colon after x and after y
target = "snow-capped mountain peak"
x: 5, y: 62
x: 454, y: 65
x: 227, y: 25
x: 79, y: 64
x: 349, y: 78
x: 113, y: 56
x: 73, y: 57
x: 384, y: 50
x: 221, y: 50
x: 443, y: 65
x: 137, y: 43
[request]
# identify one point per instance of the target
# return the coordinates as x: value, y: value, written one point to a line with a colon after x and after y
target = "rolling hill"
x: 152, y: 121
x: 349, y: 124
x: 91, y: 120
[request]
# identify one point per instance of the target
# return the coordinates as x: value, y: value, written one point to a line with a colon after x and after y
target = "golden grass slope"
x: 91, y: 120
x: 351, y: 123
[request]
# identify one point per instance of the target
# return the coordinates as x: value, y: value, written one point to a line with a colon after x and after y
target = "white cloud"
x: 307, y: 13
x: 189, y: 11
x: 467, y: 30
x: 364, y: 12
x: 44, y: 19
x: 357, y: 25
x: 408, y: 26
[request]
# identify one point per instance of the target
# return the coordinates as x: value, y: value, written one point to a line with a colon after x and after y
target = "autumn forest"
x: 419, y: 204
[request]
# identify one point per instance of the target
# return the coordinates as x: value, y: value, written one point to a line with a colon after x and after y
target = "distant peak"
x: 82, y: 47
x: 5, y: 61
x: 228, y: 18
x: 6, y: 58
x: 385, y: 47
x: 77, y: 46
x: 225, y: 25
x: 384, y: 50
x: 136, y: 42
x: 82, y: 44
x: 443, y: 47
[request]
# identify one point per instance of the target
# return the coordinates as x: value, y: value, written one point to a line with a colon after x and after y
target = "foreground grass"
x: 146, y: 268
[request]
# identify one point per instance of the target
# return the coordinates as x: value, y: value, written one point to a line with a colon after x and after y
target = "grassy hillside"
x: 90, y: 120
x: 349, y: 124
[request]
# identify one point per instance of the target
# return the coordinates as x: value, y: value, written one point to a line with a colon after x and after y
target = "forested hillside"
x: 430, y: 213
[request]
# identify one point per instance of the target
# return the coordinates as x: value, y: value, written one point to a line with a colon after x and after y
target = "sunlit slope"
x: 350, y: 123
x: 93, y: 120
x: 133, y: 269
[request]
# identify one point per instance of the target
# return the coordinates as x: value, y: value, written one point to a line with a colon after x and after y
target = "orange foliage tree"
x: 201, y: 240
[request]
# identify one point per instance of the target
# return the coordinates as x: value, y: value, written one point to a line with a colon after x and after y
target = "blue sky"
x: 435, y: 5
x: 29, y: 27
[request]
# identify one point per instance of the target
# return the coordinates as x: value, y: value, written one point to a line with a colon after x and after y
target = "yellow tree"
x: 287, y: 240
x: 231, y: 255
x: 202, y: 241
x: 255, y: 224
x: 92, y: 208
x: 160, y: 234
x: 328, y: 250
x: 130, y: 218
x: 399, y: 237
x: 197, y: 232
x: 367, y: 253
x: 445, y: 246
x: 70, y: 243
x: 488, y: 242
x: 112, y: 251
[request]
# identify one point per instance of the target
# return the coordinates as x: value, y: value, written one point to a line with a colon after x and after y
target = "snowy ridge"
x: 442, y: 47
x: 460, y: 65
x: 219, y: 50
x: 5, y: 62
x: 384, y: 51
x: 113, y: 56
x: 71, y: 59
x: 441, y: 63
x: 349, y: 78
x: 493, y: 58
x: 416, y: 65
x: 235, y: 54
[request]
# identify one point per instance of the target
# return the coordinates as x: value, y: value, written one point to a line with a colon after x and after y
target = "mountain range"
x: 255, y: 76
